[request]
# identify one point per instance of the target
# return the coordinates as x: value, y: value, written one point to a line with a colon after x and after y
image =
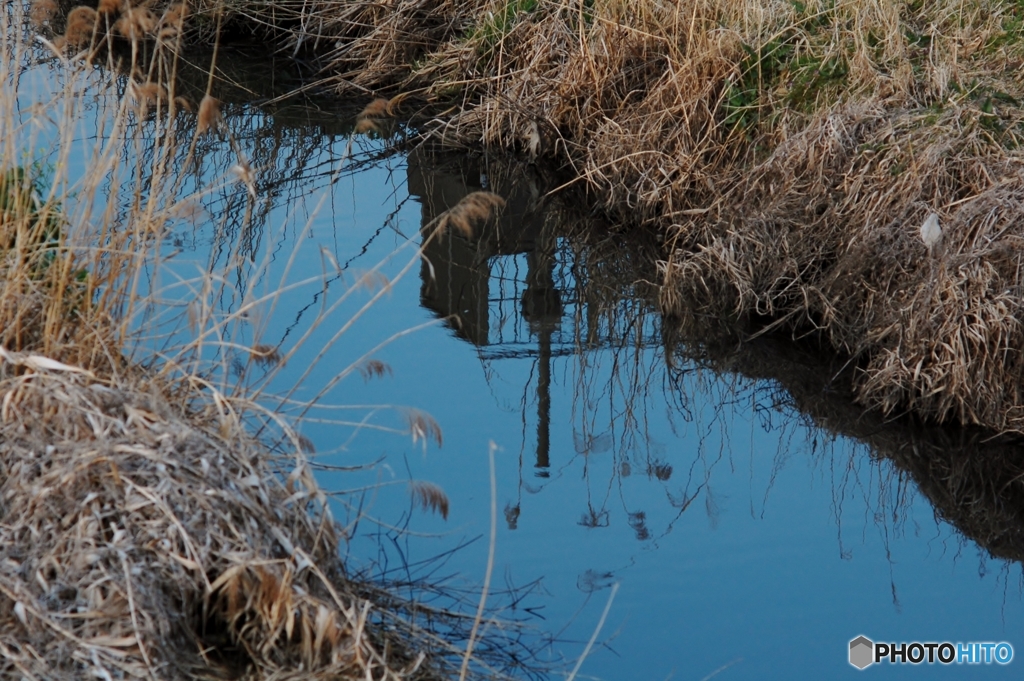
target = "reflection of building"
x: 456, y: 271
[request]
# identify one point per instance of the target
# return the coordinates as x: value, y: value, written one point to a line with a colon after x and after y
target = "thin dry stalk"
x: 478, y: 618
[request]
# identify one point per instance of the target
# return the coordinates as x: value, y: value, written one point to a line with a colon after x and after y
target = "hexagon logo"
x: 862, y: 652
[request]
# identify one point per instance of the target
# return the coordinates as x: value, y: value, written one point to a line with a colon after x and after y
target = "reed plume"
x: 210, y: 117
x: 375, y: 109
x: 422, y: 426
x: 374, y: 368
x: 146, y: 95
x: 429, y: 497
x: 136, y: 23
x: 81, y: 26
x: 265, y: 355
x: 474, y: 209
x: 370, y: 117
x: 42, y: 13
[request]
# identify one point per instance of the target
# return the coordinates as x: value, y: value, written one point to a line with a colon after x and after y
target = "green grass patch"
x: 498, y: 25
x: 790, y: 71
x: 22, y: 209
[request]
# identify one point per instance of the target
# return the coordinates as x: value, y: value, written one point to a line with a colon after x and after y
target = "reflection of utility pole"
x: 544, y: 402
x: 542, y: 308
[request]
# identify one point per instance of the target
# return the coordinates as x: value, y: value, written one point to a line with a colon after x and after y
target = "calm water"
x: 745, y: 541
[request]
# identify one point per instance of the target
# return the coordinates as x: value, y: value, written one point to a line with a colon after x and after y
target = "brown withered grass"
x: 429, y: 497
x: 138, y: 545
x: 788, y: 153
x: 42, y: 12
x: 82, y: 26
x: 145, y: 532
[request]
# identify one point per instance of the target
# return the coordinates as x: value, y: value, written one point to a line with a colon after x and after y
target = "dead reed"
x: 472, y: 211
x: 162, y: 548
x: 145, y: 531
x: 788, y: 153
x: 209, y: 115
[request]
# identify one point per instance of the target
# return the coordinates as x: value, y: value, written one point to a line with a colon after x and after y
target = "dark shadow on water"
x: 544, y: 280
x: 973, y: 478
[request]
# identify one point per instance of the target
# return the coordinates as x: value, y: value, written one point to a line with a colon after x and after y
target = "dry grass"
x: 472, y: 211
x: 145, y: 532
x: 138, y: 545
x: 210, y: 117
x: 429, y: 497
x: 788, y: 152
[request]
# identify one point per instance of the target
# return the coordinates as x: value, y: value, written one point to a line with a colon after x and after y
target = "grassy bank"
x: 786, y: 152
x: 145, y: 531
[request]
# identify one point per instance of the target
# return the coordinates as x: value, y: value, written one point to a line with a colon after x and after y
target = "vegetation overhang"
x: 787, y: 154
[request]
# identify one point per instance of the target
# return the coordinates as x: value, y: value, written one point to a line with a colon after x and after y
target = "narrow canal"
x: 748, y: 519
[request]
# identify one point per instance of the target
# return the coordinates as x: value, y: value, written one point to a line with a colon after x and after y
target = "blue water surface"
x: 744, y: 541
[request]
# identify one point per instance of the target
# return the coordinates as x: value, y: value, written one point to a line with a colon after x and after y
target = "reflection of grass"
x: 782, y: 149
x: 795, y: 391
x: 958, y: 470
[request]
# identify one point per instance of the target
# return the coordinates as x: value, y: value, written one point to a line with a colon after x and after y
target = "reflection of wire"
x: 342, y: 268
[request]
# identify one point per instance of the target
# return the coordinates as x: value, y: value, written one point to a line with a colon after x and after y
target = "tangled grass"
x: 139, y: 545
x: 787, y: 152
x: 145, y: 530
